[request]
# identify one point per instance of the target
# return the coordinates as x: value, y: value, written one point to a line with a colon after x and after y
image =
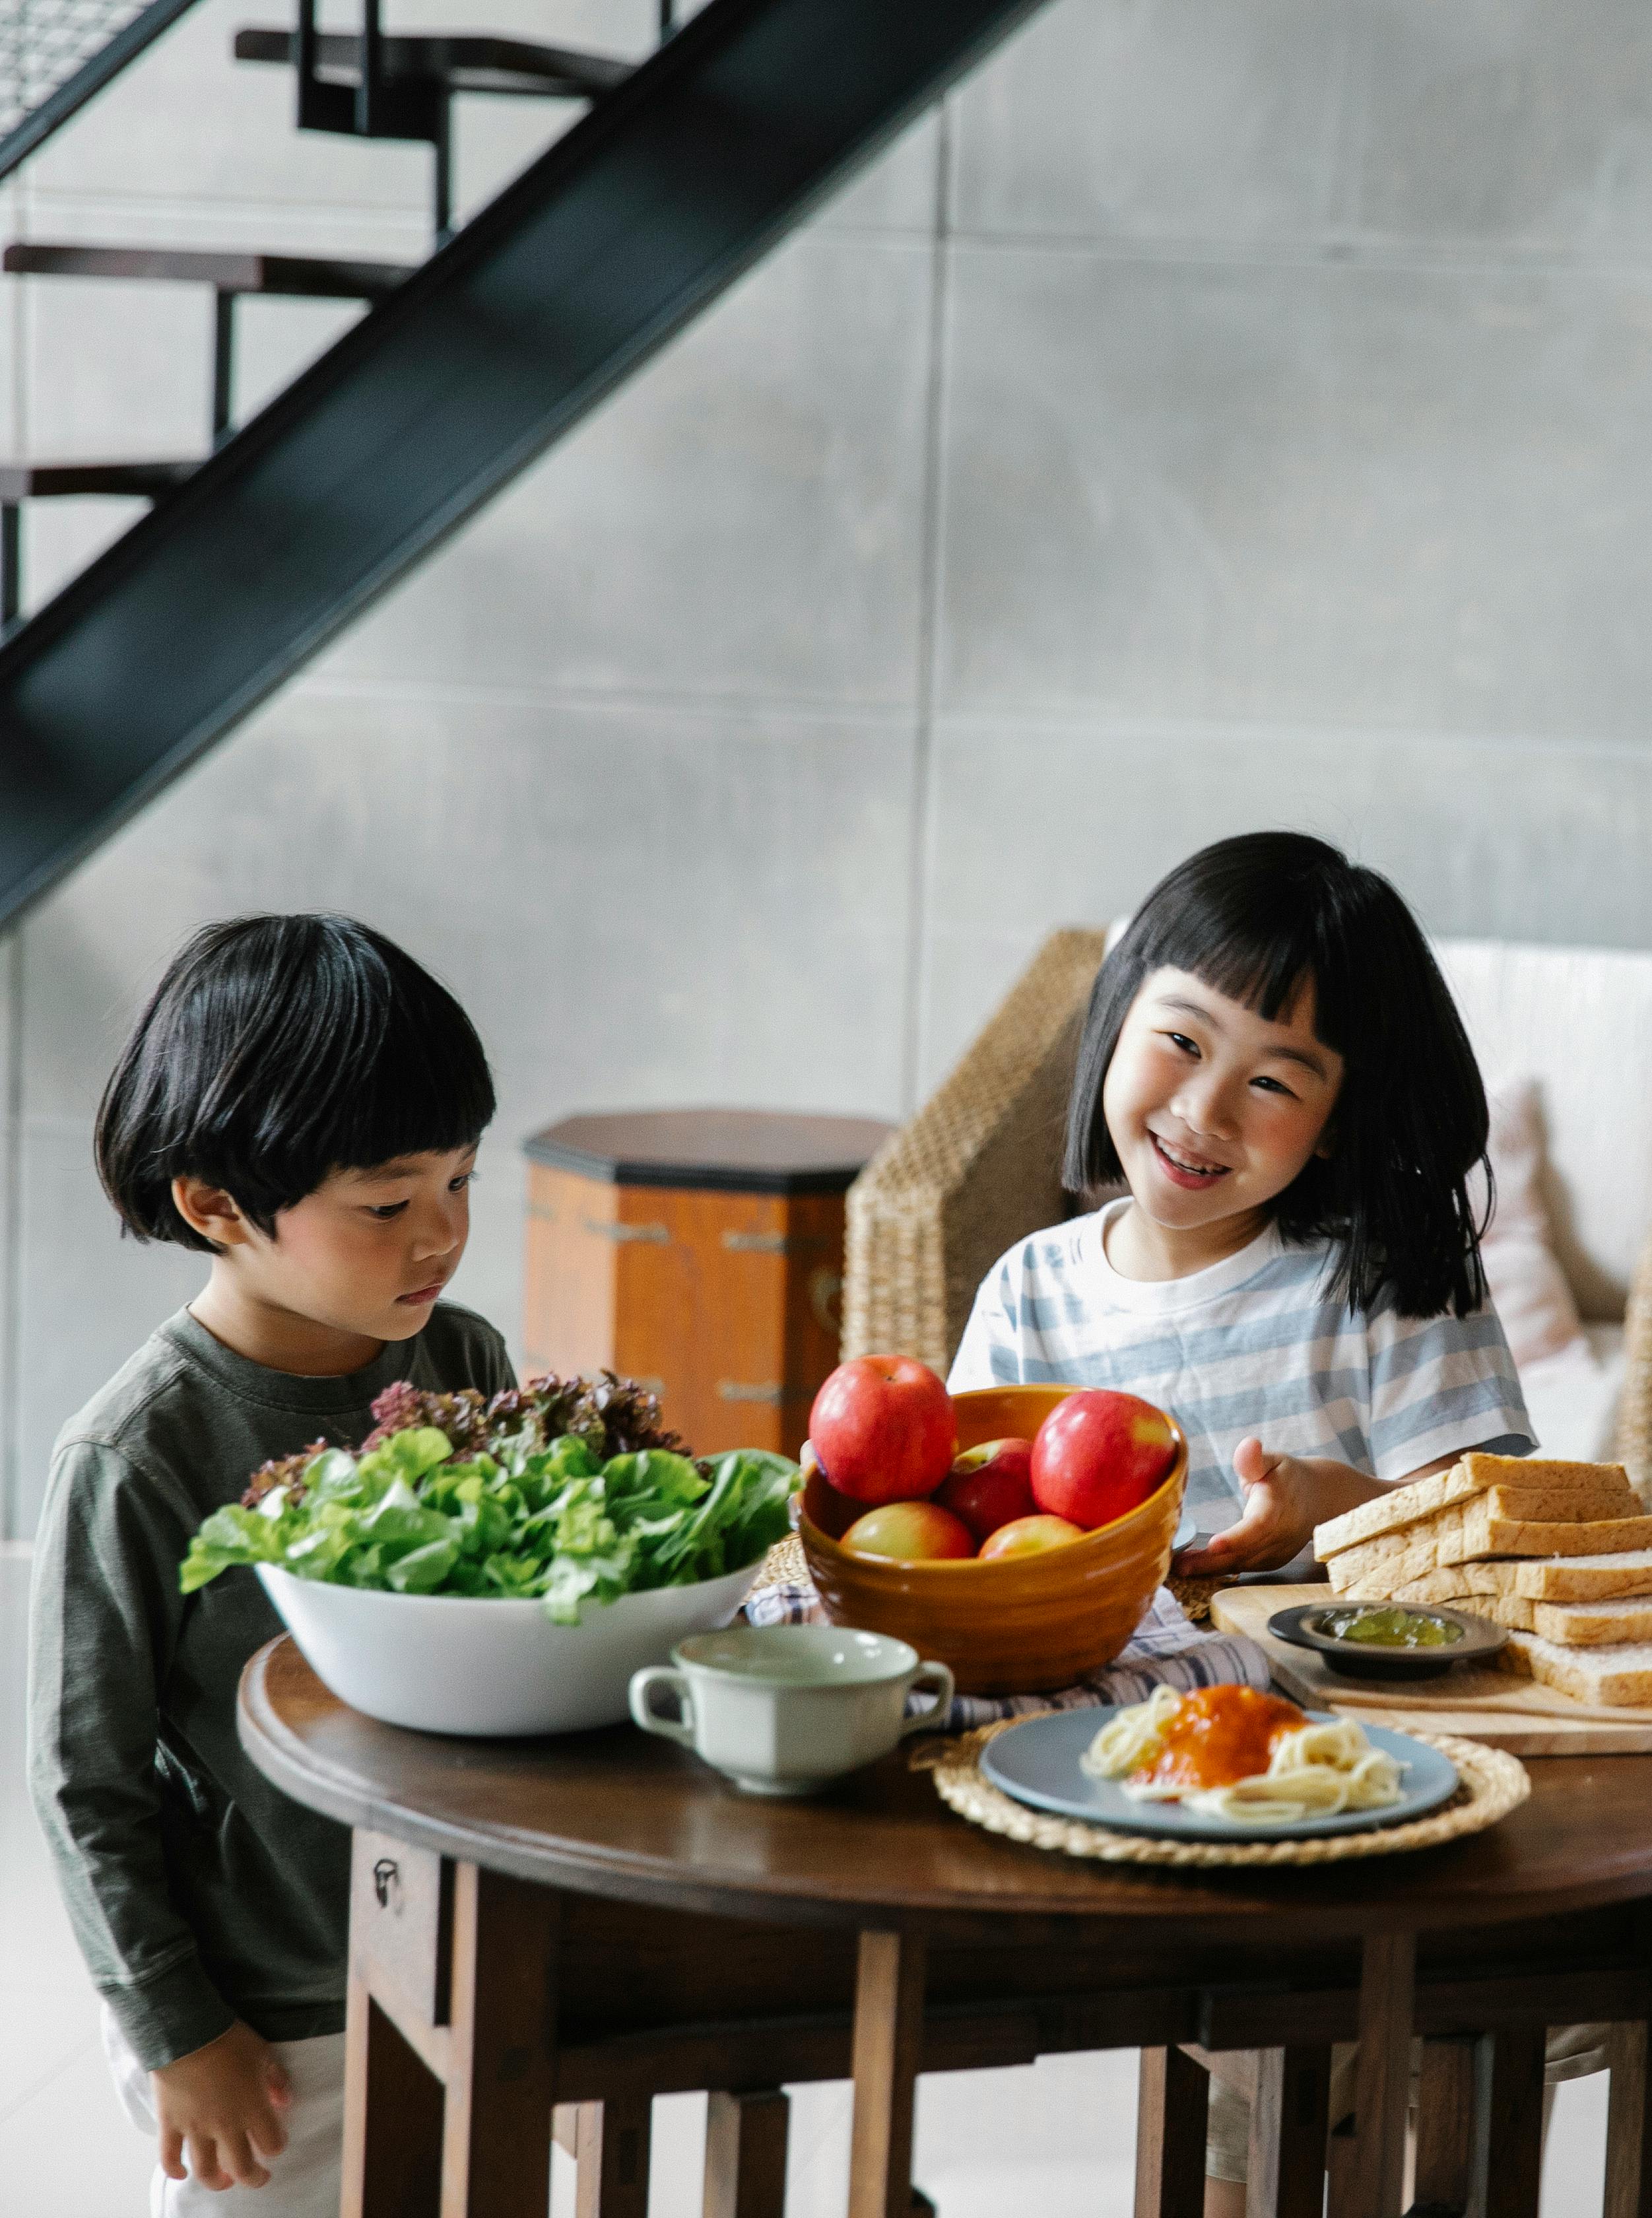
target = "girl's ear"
x: 1325, y: 1145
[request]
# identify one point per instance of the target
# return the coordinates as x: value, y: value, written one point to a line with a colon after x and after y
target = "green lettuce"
x: 509, y: 1514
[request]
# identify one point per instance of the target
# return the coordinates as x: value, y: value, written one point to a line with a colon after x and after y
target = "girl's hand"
x: 221, y: 2107
x: 1285, y: 1497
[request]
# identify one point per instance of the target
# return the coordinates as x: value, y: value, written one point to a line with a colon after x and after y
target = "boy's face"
x: 367, y: 1253
x: 1213, y: 1109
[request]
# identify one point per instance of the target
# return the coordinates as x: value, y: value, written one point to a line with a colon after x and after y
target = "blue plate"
x: 1037, y: 1762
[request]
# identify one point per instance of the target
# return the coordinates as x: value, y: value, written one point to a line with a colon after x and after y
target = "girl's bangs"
x: 1260, y: 962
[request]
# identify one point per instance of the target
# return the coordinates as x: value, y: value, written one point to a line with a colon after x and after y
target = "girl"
x: 1273, y: 1069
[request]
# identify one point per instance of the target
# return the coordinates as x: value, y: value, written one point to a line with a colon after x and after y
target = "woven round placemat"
x: 1491, y: 1783
x: 785, y: 1565
x: 1194, y: 1596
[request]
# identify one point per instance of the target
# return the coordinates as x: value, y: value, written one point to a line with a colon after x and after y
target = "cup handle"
x: 643, y: 1683
x: 934, y: 1677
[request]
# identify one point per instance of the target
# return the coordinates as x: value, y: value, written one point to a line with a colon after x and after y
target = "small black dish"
x: 1353, y: 1659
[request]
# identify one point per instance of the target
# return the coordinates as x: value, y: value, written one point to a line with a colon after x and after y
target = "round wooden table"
x: 590, y: 1921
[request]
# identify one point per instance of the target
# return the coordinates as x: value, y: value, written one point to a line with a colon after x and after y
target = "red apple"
x: 988, y: 1486
x: 1029, y: 1536
x: 833, y: 1512
x: 882, y: 1428
x: 912, y: 1531
x: 1098, y: 1454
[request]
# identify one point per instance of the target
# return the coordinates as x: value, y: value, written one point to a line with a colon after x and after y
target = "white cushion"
x: 1579, y: 1021
x: 1573, y: 1397
x: 1530, y: 1289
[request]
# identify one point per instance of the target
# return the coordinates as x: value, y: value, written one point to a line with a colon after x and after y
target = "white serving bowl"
x: 448, y: 1663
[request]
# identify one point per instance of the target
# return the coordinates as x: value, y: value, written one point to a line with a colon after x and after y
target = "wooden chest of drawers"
x: 700, y: 1251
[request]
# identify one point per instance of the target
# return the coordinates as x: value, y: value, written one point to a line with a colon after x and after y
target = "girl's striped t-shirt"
x: 1254, y: 1344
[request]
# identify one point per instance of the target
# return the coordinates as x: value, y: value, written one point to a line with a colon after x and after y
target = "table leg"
x: 1628, y: 2124
x: 1447, y: 2108
x: 1372, y: 2184
x: 1172, y: 2110
x: 1445, y: 2130
x: 1341, y: 2168
x: 746, y: 2155
x: 496, y: 2146
x: 1509, y: 2122
x: 393, y: 2119
x: 888, y: 2033
x: 611, y: 2142
x: 1289, y: 2114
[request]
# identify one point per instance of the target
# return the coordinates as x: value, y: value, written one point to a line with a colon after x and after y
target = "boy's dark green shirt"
x: 198, y: 1892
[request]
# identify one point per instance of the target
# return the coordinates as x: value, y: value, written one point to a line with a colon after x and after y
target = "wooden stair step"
x: 460, y: 63
x: 20, y: 481
x: 292, y: 276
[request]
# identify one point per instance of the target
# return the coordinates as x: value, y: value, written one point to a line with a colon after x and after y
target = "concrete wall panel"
x: 1303, y: 491
x: 742, y: 518
x: 1158, y: 119
x: 1509, y: 126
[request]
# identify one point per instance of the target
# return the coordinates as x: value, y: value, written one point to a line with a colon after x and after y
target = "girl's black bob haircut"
x: 276, y: 1051
x: 1256, y: 918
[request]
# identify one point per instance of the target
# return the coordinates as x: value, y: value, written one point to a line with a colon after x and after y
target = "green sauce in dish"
x: 1388, y: 1628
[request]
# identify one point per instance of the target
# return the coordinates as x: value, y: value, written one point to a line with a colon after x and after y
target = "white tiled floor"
x: 1058, y: 2136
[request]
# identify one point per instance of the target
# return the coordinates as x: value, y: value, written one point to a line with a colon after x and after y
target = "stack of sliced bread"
x: 1559, y: 1552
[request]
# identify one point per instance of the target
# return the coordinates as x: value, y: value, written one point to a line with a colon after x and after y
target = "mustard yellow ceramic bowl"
x: 1023, y: 1625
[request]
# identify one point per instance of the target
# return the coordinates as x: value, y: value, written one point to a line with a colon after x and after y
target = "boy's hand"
x: 221, y: 2107
x: 1285, y: 1497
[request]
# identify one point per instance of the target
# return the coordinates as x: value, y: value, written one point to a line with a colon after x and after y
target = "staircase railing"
x: 55, y: 54
x: 669, y: 187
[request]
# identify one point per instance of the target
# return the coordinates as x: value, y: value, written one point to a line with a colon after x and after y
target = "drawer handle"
x: 731, y: 1389
x: 627, y: 1231
x: 776, y: 1243
x: 387, y: 1882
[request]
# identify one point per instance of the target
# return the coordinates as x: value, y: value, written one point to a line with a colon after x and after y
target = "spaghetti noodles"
x: 1230, y: 1752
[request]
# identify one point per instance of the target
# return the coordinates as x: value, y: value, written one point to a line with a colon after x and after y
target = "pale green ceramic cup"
x: 781, y: 1709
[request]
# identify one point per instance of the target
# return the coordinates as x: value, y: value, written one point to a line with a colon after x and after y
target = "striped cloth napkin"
x: 1165, y: 1651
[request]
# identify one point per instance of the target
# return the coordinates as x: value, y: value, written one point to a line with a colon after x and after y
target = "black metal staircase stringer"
x: 647, y: 210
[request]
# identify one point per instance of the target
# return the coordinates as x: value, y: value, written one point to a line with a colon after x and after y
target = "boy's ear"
x: 208, y: 1210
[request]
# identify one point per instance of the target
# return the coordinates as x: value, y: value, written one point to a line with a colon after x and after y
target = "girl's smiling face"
x: 1213, y: 1109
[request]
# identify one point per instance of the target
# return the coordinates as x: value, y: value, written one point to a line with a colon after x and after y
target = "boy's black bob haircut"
x: 1254, y: 918
x: 276, y: 1051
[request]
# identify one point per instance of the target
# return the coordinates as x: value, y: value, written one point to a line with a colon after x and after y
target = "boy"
x: 301, y: 1103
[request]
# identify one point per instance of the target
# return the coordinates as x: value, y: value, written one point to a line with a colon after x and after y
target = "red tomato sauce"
x: 1220, y: 1734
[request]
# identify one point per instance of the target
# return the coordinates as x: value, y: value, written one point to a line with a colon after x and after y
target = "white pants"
x: 304, y: 2179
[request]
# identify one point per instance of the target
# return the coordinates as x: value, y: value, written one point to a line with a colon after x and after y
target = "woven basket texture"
x: 1492, y: 1784
x: 976, y: 1169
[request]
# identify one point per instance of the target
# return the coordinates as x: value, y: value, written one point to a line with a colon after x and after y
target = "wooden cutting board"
x: 1484, y: 1705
